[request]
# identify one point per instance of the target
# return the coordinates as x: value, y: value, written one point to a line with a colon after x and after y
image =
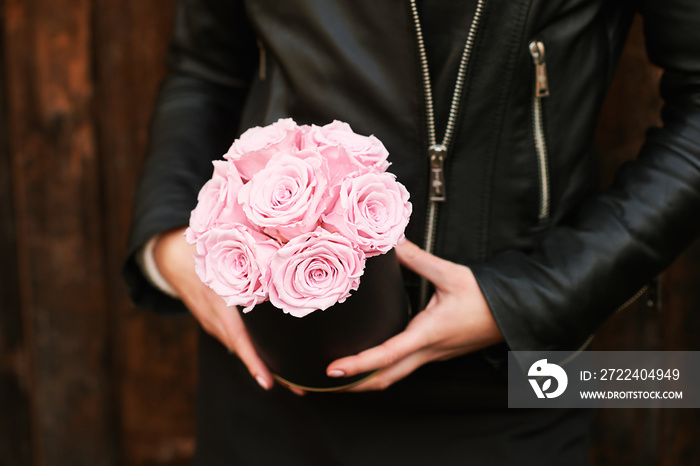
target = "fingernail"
x: 402, y: 240
x: 336, y: 373
x: 262, y: 382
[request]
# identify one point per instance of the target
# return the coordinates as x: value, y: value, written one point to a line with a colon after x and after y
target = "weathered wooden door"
x: 85, y: 378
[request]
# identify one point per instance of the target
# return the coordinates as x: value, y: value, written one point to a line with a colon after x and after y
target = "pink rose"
x: 234, y: 262
x: 314, y: 271
x: 363, y: 152
x: 288, y: 196
x: 251, y: 152
x: 372, y: 210
x: 217, y: 202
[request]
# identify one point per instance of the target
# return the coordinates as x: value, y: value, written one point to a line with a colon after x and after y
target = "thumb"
x: 429, y: 266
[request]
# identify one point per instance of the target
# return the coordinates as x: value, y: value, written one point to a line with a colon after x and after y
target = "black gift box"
x: 299, y: 350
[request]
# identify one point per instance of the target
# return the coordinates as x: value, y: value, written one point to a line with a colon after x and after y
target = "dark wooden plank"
x: 15, y: 446
x: 57, y: 205
x: 632, y: 105
x: 679, y: 429
x: 645, y: 436
x: 156, y: 356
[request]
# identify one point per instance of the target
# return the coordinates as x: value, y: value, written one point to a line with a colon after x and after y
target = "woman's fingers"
x: 392, y: 374
x: 379, y: 357
x: 173, y: 257
x: 239, y: 342
x: 295, y: 390
x: 438, y: 271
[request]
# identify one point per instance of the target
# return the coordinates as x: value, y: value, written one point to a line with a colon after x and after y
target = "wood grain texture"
x: 679, y: 429
x: 57, y: 200
x: 645, y: 436
x: 15, y: 448
x: 155, y: 370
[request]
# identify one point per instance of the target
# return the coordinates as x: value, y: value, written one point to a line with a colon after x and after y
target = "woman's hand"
x: 456, y: 321
x: 173, y: 256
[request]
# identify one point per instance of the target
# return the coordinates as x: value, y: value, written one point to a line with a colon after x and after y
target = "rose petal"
x: 314, y: 271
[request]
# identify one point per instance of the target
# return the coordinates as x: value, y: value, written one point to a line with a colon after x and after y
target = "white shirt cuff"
x: 146, y: 260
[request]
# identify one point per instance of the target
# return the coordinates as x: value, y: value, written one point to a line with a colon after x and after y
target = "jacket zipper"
x: 537, y: 51
x: 624, y: 306
x: 541, y: 91
x: 438, y: 152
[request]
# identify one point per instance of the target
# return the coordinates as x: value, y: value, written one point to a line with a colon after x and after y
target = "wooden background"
x: 87, y: 379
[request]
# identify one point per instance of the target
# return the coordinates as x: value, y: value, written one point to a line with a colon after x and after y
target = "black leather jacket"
x: 553, y: 256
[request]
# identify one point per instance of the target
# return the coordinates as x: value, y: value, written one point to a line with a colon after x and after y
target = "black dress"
x: 448, y: 413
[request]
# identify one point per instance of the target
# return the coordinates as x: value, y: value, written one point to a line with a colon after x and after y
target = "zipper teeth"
x: 624, y: 306
x: 431, y: 220
x: 429, y: 242
x: 425, y: 72
x: 542, y: 162
x: 634, y: 298
x: 461, y: 74
x: 575, y: 354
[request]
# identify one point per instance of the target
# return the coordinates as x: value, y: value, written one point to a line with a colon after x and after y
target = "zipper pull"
x: 541, y: 83
x: 437, y: 172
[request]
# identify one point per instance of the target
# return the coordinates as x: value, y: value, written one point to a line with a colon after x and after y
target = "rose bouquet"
x: 288, y: 222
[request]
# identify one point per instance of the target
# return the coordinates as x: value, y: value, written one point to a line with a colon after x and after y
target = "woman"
x: 488, y: 110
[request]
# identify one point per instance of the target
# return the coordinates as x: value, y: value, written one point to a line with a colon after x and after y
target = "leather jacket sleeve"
x: 555, y: 297
x: 212, y: 58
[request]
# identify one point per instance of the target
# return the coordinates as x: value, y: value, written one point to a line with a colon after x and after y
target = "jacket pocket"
x: 541, y: 91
